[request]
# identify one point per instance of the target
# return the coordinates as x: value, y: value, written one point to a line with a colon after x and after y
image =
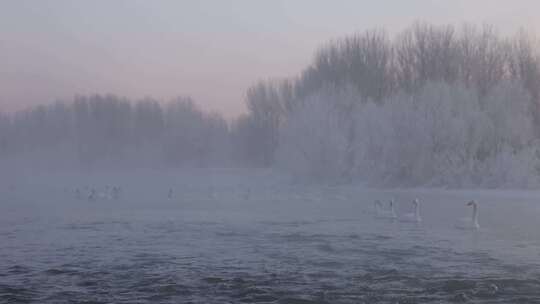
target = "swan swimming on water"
x: 470, y: 223
x: 92, y: 195
x: 247, y: 194
x: 385, y: 213
x: 116, y: 192
x: 414, y: 216
x: 378, y: 206
x: 105, y: 195
x: 392, y: 210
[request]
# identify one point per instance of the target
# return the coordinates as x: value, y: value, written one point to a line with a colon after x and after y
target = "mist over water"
x: 284, y: 243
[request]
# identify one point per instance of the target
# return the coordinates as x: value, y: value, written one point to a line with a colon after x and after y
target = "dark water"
x: 288, y: 246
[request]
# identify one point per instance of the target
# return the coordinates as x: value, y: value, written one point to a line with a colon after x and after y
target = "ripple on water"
x: 294, y: 263
x: 16, y: 294
x: 18, y: 270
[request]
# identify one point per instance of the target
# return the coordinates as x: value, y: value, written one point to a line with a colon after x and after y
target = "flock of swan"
x: 381, y: 212
x: 390, y: 213
x: 115, y: 192
x: 93, y: 194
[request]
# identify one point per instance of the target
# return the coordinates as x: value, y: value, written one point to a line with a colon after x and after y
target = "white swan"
x: 105, y: 195
x: 116, y: 192
x: 392, y: 211
x: 414, y: 216
x: 92, y: 195
x: 378, y: 206
x: 247, y: 194
x: 211, y: 193
x: 385, y: 213
x: 470, y: 223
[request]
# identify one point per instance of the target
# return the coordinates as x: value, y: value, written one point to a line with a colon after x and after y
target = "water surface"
x: 282, y: 244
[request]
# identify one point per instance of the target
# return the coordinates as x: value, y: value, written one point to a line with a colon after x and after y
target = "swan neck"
x: 392, y: 210
x: 377, y: 208
x: 475, y: 213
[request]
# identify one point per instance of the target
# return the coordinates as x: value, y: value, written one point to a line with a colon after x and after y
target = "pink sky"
x: 210, y: 50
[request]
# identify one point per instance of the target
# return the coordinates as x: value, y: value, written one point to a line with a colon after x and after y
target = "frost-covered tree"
x: 442, y: 135
x: 313, y: 142
x: 430, y: 105
x: 265, y: 107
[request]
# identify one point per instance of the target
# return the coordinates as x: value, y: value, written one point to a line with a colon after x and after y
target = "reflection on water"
x: 274, y: 248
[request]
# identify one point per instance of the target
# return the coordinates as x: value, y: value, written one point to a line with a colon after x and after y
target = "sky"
x: 209, y: 50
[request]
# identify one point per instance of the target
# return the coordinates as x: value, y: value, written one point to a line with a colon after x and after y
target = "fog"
x: 394, y: 165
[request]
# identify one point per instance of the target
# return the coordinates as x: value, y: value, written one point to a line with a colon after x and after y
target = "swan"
x: 105, y: 195
x: 392, y: 211
x: 385, y: 213
x: 211, y: 193
x: 92, y: 195
x: 247, y: 194
x: 470, y: 223
x: 378, y: 206
x: 414, y: 216
x: 116, y: 192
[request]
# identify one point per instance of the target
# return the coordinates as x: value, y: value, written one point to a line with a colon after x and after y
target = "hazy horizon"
x: 212, y: 51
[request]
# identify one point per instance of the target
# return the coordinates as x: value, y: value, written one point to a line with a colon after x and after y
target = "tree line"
x: 431, y: 105
x: 108, y: 129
